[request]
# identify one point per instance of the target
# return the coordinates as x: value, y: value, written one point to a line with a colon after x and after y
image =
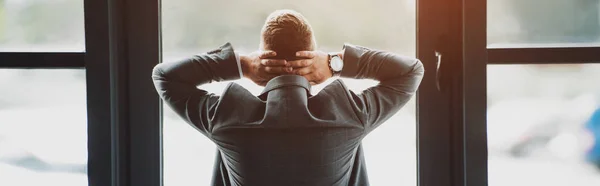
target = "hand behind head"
x: 314, y: 67
x: 260, y: 67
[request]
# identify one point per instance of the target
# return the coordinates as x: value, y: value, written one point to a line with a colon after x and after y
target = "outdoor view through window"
x: 43, y: 127
x: 43, y: 117
x: 41, y: 26
x: 542, y: 129
x: 192, y: 27
x: 540, y: 125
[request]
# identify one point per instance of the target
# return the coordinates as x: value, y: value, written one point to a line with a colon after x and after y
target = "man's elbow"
x: 416, y: 74
x: 157, y: 72
x: 158, y: 78
x: 418, y: 67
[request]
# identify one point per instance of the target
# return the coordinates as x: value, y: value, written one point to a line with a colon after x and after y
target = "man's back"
x: 286, y: 136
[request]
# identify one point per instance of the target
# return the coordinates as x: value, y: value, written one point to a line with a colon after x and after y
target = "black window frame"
x: 450, y: 115
x: 42, y: 60
x: 124, y: 128
x: 478, y: 55
x: 124, y: 112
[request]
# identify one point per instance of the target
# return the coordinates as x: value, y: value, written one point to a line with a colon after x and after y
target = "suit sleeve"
x: 177, y: 82
x: 398, y: 76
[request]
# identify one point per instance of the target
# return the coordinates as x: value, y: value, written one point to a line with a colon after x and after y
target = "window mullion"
x: 474, y: 92
x: 554, y: 55
x: 42, y: 59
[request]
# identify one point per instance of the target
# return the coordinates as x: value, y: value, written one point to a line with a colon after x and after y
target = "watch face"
x: 336, y: 64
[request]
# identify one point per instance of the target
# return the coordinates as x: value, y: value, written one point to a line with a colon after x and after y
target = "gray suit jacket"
x: 286, y: 136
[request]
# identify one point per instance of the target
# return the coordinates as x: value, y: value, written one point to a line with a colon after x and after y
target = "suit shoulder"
x: 337, y: 93
x: 237, y: 92
x: 236, y: 102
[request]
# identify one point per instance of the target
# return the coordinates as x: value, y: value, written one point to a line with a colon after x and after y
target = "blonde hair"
x: 286, y: 32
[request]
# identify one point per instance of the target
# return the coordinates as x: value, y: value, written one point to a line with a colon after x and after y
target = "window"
x: 543, y: 22
x: 41, y: 25
x: 43, y: 127
x: 541, y: 97
x: 189, y: 156
x: 43, y: 112
x: 540, y: 126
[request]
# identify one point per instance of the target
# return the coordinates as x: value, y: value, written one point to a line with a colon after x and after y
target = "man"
x: 286, y: 136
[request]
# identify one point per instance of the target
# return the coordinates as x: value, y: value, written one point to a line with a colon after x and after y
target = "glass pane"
x: 544, y: 125
x: 551, y: 22
x: 188, y: 155
x: 41, y: 26
x: 43, y: 127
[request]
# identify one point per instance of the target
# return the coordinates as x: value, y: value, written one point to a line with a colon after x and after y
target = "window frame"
x: 434, y: 144
x: 123, y: 110
x: 42, y: 60
x: 122, y: 47
x: 478, y: 54
x: 450, y: 114
x: 543, y: 55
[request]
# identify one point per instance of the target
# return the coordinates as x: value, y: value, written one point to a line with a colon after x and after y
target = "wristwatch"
x: 336, y: 64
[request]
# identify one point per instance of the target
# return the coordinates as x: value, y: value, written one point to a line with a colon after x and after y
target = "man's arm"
x: 176, y: 83
x: 398, y: 76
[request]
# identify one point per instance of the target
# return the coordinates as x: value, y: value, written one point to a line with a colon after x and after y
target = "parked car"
x: 517, y: 127
x: 540, y: 127
x: 592, y: 128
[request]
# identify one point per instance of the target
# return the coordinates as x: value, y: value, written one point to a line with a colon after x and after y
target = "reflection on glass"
x: 41, y: 26
x: 379, y: 24
x: 540, y: 125
x: 543, y: 22
x: 43, y: 127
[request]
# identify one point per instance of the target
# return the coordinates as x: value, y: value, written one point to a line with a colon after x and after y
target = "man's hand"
x: 258, y: 68
x: 315, y: 68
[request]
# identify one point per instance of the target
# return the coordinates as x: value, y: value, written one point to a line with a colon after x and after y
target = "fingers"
x: 303, y: 71
x: 317, y: 78
x: 305, y: 54
x: 300, y: 63
x: 267, y: 54
x: 278, y: 70
x: 273, y: 62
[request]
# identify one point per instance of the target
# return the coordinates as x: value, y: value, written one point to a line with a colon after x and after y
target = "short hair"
x: 286, y: 32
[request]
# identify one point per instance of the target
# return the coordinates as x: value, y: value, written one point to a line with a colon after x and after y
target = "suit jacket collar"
x: 284, y: 81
